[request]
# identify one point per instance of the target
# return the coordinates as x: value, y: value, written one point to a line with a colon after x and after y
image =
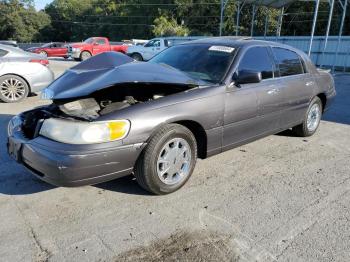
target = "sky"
x: 40, y: 4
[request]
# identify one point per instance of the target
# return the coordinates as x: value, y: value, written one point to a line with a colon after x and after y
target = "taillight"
x: 44, y: 62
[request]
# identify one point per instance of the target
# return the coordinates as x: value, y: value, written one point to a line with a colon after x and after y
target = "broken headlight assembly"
x: 76, y: 132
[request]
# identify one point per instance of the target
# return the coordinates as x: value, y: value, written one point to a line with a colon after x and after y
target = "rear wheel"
x: 137, y: 57
x: 168, y: 160
x: 311, y: 120
x: 13, y: 88
x: 85, y: 55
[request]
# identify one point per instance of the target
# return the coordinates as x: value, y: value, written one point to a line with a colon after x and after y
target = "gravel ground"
x: 281, y: 198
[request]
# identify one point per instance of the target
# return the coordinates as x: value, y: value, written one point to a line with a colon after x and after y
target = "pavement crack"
x: 44, y: 254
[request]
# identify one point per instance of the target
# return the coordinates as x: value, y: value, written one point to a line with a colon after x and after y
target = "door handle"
x: 272, y: 91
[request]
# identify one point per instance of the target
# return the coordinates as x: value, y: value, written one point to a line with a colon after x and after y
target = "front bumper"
x: 65, y: 165
x: 74, y: 54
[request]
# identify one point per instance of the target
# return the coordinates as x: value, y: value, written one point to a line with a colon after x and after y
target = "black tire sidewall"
x: 84, y: 52
x: 4, y: 99
x: 133, y: 56
x: 151, y: 168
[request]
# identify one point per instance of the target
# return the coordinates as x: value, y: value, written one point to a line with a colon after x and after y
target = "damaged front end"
x: 99, y: 86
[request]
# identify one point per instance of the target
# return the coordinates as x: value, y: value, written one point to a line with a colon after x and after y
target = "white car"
x: 22, y: 73
x: 154, y: 46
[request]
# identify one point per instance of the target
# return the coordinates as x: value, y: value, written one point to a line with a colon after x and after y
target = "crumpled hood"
x: 109, y: 69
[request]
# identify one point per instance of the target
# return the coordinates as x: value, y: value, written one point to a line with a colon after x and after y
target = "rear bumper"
x: 41, y: 80
x: 60, y: 167
x: 330, y: 99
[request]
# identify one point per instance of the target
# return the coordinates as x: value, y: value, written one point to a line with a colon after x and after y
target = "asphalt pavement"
x: 281, y: 198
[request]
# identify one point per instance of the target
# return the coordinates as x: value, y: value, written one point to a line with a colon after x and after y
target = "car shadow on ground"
x: 14, y: 178
x: 127, y: 185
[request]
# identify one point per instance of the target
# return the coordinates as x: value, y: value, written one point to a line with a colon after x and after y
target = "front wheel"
x: 311, y: 120
x: 84, y: 55
x: 137, y: 57
x: 168, y: 161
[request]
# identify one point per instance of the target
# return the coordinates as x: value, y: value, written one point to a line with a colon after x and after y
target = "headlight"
x: 14, y: 125
x: 75, y: 49
x: 72, y: 132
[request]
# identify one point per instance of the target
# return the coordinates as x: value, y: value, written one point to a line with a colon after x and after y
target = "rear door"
x: 297, y: 85
x: 252, y: 110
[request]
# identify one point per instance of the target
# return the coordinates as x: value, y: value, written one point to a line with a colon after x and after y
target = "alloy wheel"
x: 313, y: 117
x: 174, y: 161
x: 12, y: 89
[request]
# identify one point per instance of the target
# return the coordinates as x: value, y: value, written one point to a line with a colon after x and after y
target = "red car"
x: 54, y: 49
x: 93, y: 46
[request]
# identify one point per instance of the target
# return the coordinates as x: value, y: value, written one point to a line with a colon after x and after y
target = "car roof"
x: 16, y: 52
x: 9, y: 48
x: 238, y: 41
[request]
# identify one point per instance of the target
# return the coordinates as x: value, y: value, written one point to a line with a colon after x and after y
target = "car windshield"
x: 89, y: 41
x: 202, y: 61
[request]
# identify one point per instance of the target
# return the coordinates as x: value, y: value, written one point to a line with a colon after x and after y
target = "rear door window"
x: 257, y: 59
x: 287, y: 61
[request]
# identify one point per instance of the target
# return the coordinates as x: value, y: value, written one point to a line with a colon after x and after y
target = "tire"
x: 43, y: 53
x: 85, y: 55
x: 311, y: 120
x: 161, y: 156
x: 137, y: 57
x: 13, y: 88
x: 77, y: 59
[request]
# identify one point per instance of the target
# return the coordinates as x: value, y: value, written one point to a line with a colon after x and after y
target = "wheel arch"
x: 323, y: 98
x: 197, y: 130
x: 200, y: 135
x: 85, y: 50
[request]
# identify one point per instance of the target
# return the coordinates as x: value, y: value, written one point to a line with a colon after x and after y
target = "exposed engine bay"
x: 98, y: 104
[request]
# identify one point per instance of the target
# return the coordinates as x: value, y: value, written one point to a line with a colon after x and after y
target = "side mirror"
x: 247, y: 77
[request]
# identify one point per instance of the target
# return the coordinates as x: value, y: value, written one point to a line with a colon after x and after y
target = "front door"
x: 252, y: 110
x: 99, y: 46
x: 151, y: 49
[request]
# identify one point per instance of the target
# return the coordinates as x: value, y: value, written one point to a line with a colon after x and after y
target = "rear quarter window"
x: 288, y: 62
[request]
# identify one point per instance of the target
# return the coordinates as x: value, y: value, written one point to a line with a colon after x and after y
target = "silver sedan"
x: 22, y: 73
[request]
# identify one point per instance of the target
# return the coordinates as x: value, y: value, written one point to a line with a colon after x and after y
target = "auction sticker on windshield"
x: 220, y: 48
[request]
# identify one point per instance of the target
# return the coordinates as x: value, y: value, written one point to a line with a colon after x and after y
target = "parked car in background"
x: 22, y: 73
x: 9, y: 42
x: 112, y: 116
x: 93, y: 46
x: 154, y: 46
x: 53, y: 49
x: 135, y: 42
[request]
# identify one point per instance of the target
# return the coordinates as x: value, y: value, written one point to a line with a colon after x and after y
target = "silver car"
x: 22, y: 73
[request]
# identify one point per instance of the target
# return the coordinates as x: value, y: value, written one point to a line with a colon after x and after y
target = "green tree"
x: 165, y: 26
x: 21, y: 22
